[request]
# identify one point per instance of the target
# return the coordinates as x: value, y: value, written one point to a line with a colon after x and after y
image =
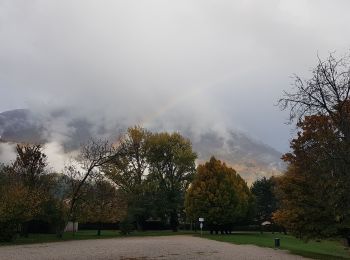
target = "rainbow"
x: 178, y: 99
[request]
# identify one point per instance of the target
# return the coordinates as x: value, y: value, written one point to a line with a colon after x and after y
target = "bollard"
x: 277, y: 243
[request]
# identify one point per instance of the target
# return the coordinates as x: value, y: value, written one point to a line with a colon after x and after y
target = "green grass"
x: 318, y: 250
x: 87, y: 234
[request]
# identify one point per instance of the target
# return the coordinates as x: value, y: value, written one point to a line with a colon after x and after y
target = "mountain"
x: 20, y: 125
x: 251, y: 158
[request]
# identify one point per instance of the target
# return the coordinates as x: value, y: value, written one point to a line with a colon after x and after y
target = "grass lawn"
x: 318, y: 250
x: 87, y: 234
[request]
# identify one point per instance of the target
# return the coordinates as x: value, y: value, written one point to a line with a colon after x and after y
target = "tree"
x: 265, y: 200
x: 28, y: 192
x: 28, y: 175
x: 103, y: 204
x: 171, y: 168
x: 321, y: 153
x: 326, y: 93
x: 18, y: 204
x: 218, y: 194
x: 128, y: 172
x: 93, y: 156
x: 30, y: 166
x: 314, y: 191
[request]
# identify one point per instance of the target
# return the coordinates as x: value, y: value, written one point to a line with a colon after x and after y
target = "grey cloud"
x: 164, y: 64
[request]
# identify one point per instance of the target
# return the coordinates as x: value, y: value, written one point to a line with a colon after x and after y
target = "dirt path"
x: 145, y: 248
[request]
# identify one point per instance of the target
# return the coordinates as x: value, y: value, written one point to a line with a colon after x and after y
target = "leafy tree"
x: 313, y: 192
x: 265, y: 200
x: 103, y: 204
x: 54, y: 212
x: 27, y: 176
x: 171, y: 168
x: 218, y: 194
x: 30, y: 166
x: 128, y: 172
x: 18, y: 204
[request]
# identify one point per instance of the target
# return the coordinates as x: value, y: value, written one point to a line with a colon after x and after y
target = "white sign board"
x: 201, y: 225
x: 201, y: 219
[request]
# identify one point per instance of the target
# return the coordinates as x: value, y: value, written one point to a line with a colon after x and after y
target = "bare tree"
x: 327, y: 92
x: 92, y: 157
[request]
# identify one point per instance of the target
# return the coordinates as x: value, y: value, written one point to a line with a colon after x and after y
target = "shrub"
x: 7, y: 232
x: 126, y: 227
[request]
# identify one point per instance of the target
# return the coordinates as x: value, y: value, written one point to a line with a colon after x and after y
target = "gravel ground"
x: 142, y: 248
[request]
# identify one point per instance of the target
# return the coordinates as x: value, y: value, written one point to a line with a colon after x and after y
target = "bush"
x: 7, y: 232
x: 126, y: 227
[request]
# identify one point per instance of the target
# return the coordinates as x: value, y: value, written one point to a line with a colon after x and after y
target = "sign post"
x: 201, y: 220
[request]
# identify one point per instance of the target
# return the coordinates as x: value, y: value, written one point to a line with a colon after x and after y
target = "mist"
x: 167, y: 65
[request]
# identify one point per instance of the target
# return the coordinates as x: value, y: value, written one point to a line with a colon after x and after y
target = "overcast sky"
x: 200, y: 64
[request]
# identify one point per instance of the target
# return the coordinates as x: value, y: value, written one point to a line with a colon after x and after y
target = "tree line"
x: 143, y: 176
x: 310, y: 199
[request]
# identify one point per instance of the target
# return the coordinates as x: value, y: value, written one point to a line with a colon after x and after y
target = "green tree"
x: 171, y: 168
x: 128, y: 172
x: 265, y: 199
x: 218, y: 194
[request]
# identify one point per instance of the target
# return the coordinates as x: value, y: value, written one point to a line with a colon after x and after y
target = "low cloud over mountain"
x: 62, y: 135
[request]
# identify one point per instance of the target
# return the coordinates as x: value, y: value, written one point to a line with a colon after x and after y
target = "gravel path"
x: 142, y: 248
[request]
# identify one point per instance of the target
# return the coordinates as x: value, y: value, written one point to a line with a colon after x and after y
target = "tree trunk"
x: 139, y: 225
x: 24, y: 229
x: 59, y: 233
x: 174, y: 222
x: 73, y: 228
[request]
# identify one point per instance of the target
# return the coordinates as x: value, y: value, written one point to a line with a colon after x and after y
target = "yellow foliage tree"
x: 219, y: 195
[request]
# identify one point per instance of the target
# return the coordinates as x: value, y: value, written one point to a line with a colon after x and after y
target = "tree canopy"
x: 313, y: 192
x: 265, y: 200
x: 172, y: 165
x: 218, y: 194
